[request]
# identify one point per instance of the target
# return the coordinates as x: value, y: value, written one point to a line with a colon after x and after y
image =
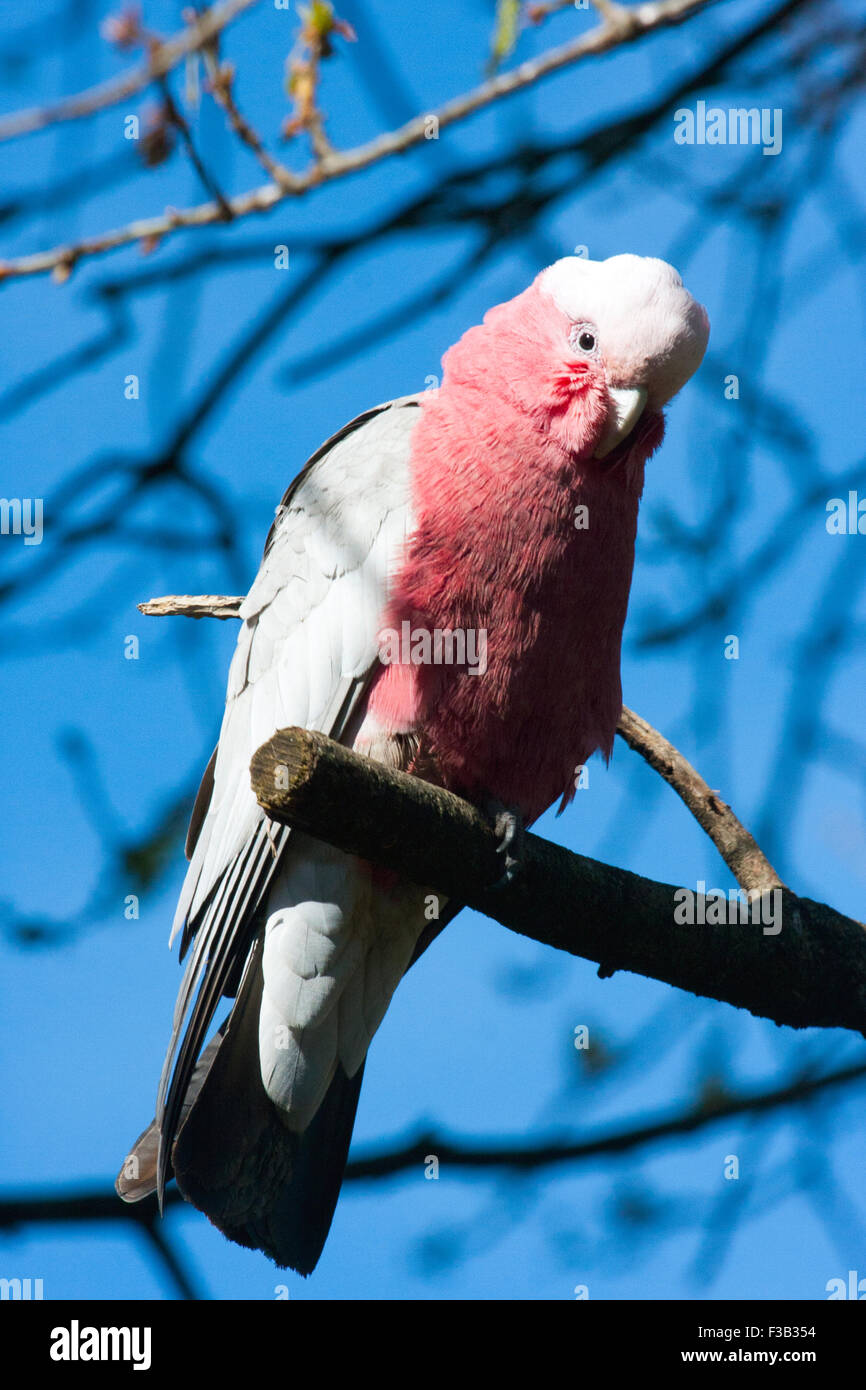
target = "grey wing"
x: 305, y: 656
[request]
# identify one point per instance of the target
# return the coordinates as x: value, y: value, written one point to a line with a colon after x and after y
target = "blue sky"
x: 478, y: 1040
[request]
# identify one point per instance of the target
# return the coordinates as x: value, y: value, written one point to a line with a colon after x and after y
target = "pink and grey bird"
x: 503, y: 503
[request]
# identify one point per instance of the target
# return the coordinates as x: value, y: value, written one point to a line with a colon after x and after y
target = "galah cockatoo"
x: 502, y: 505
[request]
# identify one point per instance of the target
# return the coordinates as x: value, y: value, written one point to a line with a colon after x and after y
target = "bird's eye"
x: 585, y: 338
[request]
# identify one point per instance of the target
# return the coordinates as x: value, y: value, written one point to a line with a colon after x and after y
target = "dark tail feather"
x: 302, y: 1212
x: 262, y: 1185
x: 137, y: 1178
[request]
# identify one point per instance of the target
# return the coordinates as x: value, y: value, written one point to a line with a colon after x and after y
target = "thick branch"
x: 803, y: 965
x: 623, y: 26
x: 739, y: 850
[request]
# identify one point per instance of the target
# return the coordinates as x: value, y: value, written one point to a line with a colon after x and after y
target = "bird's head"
x: 633, y: 329
x: 594, y: 350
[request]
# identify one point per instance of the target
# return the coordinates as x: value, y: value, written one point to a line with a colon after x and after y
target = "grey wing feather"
x: 199, y: 810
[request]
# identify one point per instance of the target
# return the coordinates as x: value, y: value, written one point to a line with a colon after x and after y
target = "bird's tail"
x: 261, y: 1184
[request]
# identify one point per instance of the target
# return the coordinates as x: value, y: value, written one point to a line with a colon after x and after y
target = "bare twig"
x: 739, y: 850
x: 161, y: 59
x: 192, y: 606
x: 612, y: 13
x: 528, y: 1157
x: 171, y: 1260
x: 536, y: 13
x: 634, y: 24
x: 221, y: 87
x: 97, y: 1204
x: 178, y: 120
x: 303, y: 69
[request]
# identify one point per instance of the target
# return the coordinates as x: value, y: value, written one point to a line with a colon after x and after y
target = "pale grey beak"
x: 626, y: 409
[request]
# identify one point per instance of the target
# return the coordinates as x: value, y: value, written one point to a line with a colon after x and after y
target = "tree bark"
x: 811, y: 972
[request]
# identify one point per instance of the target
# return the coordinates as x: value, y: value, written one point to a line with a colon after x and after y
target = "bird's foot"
x: 510, y: 832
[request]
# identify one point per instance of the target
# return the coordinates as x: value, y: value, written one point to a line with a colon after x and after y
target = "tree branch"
x: 795, y: 961
x: 741, y: 853
x: 161, y: 59
x: 221, y: 87
x: 737, y: 847
x: 175, y: 116
x: 193, y: 606
x: 528, y: 1157
x: 623, y: 26
x: 101, y: 1204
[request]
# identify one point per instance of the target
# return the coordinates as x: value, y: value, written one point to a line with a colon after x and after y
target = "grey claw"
x: 509, y: 831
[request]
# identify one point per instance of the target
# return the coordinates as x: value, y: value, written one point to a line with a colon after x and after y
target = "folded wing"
x: 305, y: 656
